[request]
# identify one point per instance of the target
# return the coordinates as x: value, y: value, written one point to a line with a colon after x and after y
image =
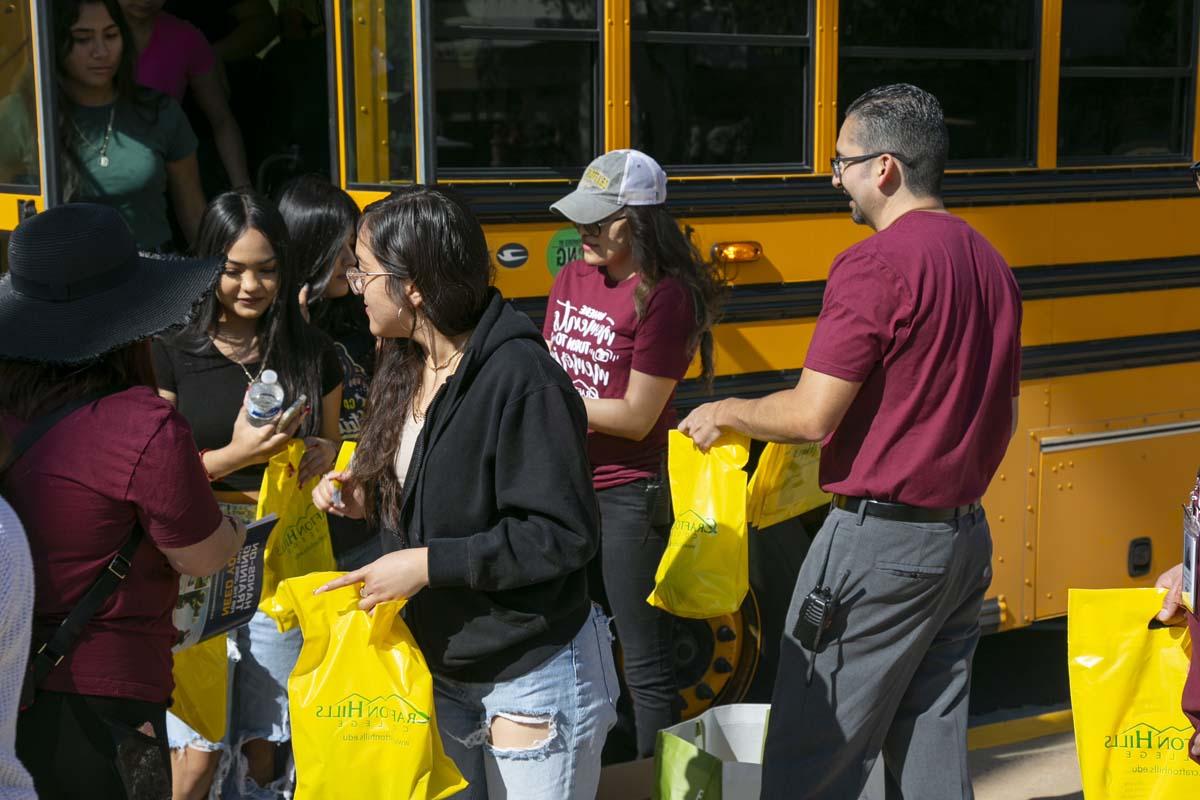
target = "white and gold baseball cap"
x: 611, y: 182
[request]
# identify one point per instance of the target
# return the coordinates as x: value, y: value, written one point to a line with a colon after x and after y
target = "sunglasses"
x: 594, y: 228
x: 839, y: 163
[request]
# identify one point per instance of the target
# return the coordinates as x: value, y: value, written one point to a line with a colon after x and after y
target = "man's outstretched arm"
x: 807, y: 413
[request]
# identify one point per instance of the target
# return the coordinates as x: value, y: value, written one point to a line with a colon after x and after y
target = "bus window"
x: 18, y: 109
x: 1126, y: 80
x: 516, y: 85
x: 979, y: 59
x: 379, y: 90
x: 721, y: 82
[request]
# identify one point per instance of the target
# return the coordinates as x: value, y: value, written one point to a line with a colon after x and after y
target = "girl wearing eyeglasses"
x: 472, y: 461
x: 625, y: 322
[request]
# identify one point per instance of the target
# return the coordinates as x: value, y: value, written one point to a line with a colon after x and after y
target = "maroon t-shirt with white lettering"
x: 926, y: 314
x: 595, y: 334
x: 78, y: 491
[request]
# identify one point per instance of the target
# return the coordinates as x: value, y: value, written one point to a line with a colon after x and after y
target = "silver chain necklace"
x: 104, y: 162
x: 261, y: 365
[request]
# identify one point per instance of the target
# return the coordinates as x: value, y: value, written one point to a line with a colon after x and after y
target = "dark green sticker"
x: 565, y: 247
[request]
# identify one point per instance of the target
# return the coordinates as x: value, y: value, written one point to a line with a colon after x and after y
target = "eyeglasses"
x: 593, y: 228
x: 839, y: 163
x: 358, y: 279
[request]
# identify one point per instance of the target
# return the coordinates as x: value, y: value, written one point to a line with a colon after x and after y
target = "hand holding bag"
x: 300, y: 542
x: 1126, y: 686
x: 705, y: 569
x: 361, y: 700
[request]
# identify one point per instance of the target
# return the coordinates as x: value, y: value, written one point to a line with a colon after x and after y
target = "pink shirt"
x: 927, y: 316
x: 595, y: 334
x: 124, y: 458
x: 176, y: 52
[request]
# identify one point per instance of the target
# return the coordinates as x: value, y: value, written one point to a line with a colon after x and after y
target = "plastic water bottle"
x: 264, y: 401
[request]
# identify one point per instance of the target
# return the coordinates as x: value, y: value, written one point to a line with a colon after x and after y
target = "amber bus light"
x: 736, y: 252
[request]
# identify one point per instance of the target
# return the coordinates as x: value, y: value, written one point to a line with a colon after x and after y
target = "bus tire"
x: 733, y: 658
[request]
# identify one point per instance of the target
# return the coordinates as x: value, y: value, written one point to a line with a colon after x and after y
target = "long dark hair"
x: 661, y: 249
x: 29, y: 390
x: 429, y: 237
x: 319, y: 217
x: 129, y: 93
x: 287, y: 344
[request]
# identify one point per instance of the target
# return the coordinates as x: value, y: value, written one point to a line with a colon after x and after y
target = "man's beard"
x: 856, y: 215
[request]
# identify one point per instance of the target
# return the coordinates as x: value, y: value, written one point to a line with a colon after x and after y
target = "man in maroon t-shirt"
x: 911, y: 383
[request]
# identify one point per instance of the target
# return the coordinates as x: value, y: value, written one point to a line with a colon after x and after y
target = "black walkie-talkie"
x: 816, y: 617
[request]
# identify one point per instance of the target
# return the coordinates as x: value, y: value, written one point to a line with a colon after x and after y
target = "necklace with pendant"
x: 261, y: 366
x: 251, y: 378
x: 103, y: 149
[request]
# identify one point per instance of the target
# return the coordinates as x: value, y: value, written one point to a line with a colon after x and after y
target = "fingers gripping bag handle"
x: 383, y: 617
x: 361, y: 701
x: 704, y: 571
x: 1126, y: 682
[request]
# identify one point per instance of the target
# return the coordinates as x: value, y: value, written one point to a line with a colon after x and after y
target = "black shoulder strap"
x: 60, y: 644
x: 50, y: 653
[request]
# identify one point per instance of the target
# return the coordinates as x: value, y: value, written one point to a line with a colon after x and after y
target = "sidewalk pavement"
x: 1038, y: 769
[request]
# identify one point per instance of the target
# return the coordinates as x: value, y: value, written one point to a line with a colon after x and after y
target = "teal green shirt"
x: 142, y: 143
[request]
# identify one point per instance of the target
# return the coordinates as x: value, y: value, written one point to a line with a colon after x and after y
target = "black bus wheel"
x: 716, y: 659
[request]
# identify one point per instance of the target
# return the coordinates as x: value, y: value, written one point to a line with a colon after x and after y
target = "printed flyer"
x: 213, y: 605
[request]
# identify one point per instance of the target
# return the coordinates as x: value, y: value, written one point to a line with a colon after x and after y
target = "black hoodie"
x: 500, y: 491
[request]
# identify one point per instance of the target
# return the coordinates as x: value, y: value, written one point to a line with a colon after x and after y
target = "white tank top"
x: 408, y: 442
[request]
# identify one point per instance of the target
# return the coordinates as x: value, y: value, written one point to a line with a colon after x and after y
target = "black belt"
x: 901, y: 512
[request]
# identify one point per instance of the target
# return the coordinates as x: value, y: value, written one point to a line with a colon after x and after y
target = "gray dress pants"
x: 894, y: 672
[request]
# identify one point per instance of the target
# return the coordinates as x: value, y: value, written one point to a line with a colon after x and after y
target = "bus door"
x: 24, y: 112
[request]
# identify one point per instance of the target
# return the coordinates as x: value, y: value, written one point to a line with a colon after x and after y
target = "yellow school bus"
x: 1072, y: 124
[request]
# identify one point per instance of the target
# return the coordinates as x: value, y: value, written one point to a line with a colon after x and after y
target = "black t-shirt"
x: 356, y: 354
x: 209, y: 390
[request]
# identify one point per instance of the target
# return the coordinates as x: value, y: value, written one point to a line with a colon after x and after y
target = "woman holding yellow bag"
x: 625, y: 322
x: 251, y: 324
x: 472, y: 459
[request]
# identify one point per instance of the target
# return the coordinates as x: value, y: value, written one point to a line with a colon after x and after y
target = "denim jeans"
x: 258, y: 709
x: 631, y: 546
x: 575, y: 692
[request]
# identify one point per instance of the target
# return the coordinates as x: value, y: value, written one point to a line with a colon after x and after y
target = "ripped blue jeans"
x: 575, y: 692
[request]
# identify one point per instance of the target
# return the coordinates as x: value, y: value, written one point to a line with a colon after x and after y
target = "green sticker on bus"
x: 565, y: 247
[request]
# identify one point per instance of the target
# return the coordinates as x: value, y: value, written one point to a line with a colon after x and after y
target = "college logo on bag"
x: 1144, y: 736
x: 693, y: 522
x: 304, y: 535
x: 390, y: 708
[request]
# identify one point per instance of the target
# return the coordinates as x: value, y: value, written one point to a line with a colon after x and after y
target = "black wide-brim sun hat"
x: 78, y: 288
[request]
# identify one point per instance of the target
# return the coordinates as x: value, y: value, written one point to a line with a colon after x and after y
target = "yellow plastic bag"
x: 361, y: 700
x: 299, y: 544
x: 1126, y: 688
x: 705, y: 569
x: 785, y: 484
x: 201, y: 687
x: 345, y: 456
